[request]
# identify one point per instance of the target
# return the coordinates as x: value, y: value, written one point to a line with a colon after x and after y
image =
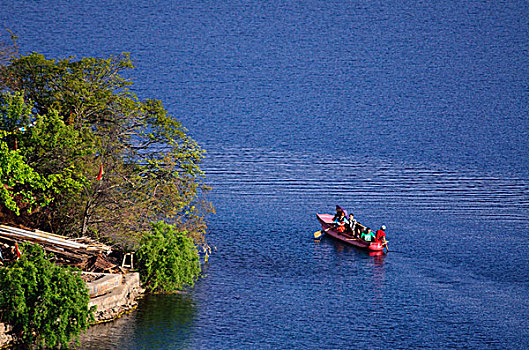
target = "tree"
x: 41, y: 159
x: 8, y: 48
x: 168, y: 259
x: 46, y: 304
x: 151, y: 166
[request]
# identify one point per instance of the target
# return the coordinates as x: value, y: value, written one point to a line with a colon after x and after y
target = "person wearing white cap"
x: 381, y: 236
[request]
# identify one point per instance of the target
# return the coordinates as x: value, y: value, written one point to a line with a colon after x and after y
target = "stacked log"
x: 83, y: 252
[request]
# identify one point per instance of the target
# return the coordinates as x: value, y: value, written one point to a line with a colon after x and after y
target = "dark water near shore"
x: 411, y: 114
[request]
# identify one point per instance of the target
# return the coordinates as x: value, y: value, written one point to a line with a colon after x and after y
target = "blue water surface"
x: 411, y: 114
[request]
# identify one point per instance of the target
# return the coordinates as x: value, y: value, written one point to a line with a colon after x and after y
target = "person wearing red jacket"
x: 381, y: 237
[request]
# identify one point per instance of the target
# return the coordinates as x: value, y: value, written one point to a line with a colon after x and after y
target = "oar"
x: 318, y: 234
x: 385, y: 244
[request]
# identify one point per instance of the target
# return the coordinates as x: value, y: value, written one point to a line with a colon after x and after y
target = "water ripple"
x: 254, y: 172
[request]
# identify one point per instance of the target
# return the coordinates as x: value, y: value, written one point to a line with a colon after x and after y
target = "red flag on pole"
x: 100, y: 173
x: 17, y: 251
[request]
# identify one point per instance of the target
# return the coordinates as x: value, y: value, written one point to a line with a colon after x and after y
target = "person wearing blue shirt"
x: 340, y: 222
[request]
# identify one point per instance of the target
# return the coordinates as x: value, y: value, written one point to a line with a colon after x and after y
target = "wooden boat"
x: 327, y: 226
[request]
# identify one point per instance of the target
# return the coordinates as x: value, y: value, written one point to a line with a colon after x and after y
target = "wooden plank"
x: 44, y: 237
x: 30, y: 235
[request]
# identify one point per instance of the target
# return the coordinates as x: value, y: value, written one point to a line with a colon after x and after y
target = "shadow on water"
x: 171, y: 315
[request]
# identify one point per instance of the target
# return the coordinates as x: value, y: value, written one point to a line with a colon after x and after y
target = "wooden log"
x: 48, y: 238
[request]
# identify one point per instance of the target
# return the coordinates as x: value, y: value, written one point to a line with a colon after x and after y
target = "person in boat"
x: 341, y: 222
x: 367, y: 235
x: 353, y: 225
x: 381, y: 237
x: 381, y: 234
x: 339, y: 212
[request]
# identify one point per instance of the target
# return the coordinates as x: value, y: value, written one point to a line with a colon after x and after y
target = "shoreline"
x: 114, y: 295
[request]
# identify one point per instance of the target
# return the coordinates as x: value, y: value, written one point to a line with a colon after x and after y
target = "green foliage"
x: 20, y: 185
x: 168, y: 259
x: 46, y: 304
x: 14, y: 112
x: 52, y: 146
x: 47, y: 163
x: 86, y: 116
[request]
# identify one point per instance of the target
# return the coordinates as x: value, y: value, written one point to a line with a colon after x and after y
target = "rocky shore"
x: 113, y: 294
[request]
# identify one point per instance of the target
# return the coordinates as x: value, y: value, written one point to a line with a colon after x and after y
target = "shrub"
x: 168, y: 259
x: 46, y: 304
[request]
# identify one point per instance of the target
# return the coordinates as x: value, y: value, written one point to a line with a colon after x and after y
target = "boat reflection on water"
x: 377, y: 253
x: 377, y: 258
x: 379, y: 273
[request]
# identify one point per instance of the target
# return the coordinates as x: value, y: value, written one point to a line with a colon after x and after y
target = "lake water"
x: 412, y: 114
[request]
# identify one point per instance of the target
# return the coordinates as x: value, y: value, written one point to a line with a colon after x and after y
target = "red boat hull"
x: 327, y: 226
